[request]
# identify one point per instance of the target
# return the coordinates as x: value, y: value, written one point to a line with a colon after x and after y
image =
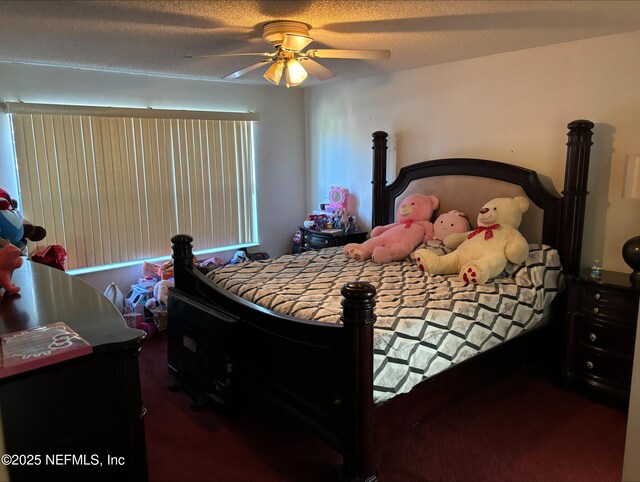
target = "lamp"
x: 631, y: 249
x: 274, y: 73
x: 295, y: 73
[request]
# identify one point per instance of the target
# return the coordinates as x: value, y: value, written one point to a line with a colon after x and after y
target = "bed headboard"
x: 467, y: 184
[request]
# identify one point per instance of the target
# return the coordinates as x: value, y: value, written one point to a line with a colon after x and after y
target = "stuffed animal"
x: 396, y: 241
x: 209, y: 264
x: 32, y: 232
x: 482, y: 254
x: 160, y: 295
x: 10, y: 230
x: 449, y: 223
x: 9, y: 260
x: 239, y: 257
x: 161, y: 291
x: 11, y: 227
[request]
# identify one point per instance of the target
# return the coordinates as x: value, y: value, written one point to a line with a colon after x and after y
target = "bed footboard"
x: 222, y: 349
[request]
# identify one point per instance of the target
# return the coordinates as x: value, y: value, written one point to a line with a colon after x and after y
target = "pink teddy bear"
x: 9, y: 260
x: 394, y: 242
x: 448, y: 223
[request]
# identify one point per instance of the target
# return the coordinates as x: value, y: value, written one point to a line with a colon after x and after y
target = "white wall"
x: 511, y: 107
x: 279, y: 142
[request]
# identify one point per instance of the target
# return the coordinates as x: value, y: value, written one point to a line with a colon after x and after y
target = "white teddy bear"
x: 160, y: 295
x: 482, y: 254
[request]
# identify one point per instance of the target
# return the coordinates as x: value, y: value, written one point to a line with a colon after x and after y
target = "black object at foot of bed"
x: 223, y: 348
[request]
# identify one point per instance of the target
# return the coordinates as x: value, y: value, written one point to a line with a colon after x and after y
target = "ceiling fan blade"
x: 246, y: 70
x: 250, y: 54
x: 348, y: 54
x: 316, y: 70
x: 295, y: 43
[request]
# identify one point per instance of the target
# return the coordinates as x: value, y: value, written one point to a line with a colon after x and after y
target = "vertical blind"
x: 112, y: 187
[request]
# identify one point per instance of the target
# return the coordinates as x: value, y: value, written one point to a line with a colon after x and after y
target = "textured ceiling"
x: 154, y: 36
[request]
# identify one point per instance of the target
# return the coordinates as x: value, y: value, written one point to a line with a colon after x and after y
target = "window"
x: 113, y: 185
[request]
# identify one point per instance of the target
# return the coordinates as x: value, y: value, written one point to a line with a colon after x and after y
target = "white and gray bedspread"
x: 425, y: 324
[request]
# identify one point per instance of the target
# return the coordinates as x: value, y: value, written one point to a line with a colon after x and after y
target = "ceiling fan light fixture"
x: 274, y: 73
x: 289, y: 38
x: 295, y: 43
x: 295, y: 73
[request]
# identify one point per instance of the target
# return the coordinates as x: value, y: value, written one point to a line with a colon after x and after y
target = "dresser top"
x: 612, y: 279
x: 48, y: 295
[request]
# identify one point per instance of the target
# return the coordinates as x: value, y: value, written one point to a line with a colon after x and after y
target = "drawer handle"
x: 326, y: 241
x: 589, y: 365
x: 596, y: 310
x: 597, y: 296
x: 592, y: 337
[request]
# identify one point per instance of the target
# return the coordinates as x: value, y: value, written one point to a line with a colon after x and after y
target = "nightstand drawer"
x: 604, y: 368
x: 617, y: 340
x: 609, y: 304
x: 318, y: 241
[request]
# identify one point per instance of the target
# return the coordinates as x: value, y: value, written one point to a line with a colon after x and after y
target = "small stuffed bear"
x: 394, y: 242
x: 9, y: 260
x: 482, y: 254
x: 449, y: 223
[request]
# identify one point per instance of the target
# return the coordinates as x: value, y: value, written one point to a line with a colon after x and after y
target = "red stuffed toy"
x: 9, y: 260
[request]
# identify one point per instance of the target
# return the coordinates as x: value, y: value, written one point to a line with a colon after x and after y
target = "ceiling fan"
x: 289, y: 39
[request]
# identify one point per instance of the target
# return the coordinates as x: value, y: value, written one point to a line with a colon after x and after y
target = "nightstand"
x: 317, y: 240
x: 601, y: 318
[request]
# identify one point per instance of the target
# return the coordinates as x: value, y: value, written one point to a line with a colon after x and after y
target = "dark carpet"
x: 521, y: 427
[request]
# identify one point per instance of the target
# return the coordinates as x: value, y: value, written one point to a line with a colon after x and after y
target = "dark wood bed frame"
x: 223, y: 348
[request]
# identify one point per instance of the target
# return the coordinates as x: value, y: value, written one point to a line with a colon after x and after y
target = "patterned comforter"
x: 425, y: 324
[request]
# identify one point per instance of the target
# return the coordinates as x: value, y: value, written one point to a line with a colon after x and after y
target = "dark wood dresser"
x: 601, y: 319
x: 312, y: 239
x: 80, y: 419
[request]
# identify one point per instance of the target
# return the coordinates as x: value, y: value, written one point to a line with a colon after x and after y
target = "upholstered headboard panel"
x: 469, y: 193
x: 561, y: 216
x: 467, y: 184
